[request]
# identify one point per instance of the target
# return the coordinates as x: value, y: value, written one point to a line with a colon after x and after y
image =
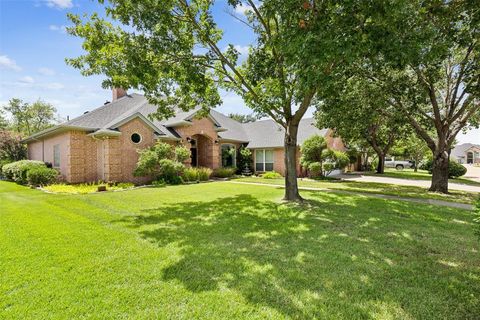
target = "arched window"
x: 229, y: 153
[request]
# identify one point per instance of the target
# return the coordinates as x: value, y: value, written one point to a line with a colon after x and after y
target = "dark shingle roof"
x: 107, y: 118
x: 269, y: 134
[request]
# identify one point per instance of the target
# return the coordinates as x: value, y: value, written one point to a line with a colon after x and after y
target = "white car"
x: 398, y: 164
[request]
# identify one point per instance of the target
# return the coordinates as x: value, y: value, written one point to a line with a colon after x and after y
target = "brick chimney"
x: 117, y: 93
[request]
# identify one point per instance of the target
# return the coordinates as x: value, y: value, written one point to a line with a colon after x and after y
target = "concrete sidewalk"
x: 405, y: 182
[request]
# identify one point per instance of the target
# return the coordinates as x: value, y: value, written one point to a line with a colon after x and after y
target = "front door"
x: 193, y: 153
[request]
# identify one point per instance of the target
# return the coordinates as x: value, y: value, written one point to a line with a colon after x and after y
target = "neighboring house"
x: 102, y: 144
x: 467, y: 153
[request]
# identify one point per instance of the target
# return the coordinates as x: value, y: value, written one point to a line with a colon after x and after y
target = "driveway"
x: 405, y: 182
x: 473, y: 173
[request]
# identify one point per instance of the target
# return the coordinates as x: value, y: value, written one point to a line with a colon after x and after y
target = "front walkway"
x: 449, y: 204
x: 405, y: 182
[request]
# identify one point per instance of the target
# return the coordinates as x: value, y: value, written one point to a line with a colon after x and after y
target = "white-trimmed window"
x: 56, y: 156
x: 263, y: 160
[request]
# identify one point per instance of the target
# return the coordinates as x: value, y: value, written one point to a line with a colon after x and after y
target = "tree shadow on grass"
x: 333, y: 257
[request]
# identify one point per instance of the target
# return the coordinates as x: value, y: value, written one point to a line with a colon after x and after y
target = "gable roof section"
x: 269, y: 134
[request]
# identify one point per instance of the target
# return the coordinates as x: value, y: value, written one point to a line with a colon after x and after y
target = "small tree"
x: 11, y: 147
x: 162, y: 161
x: 314, y: 149
x: 319, y: 160
x: 412, y: 147
x: 29, y: 118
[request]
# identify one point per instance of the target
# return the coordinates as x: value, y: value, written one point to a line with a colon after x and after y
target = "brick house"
x: 102, y: 144
x: 467, y: 153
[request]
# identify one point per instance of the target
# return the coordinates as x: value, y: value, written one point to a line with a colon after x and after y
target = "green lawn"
x: 419, y: 175
x: 230, y: 251
x: 373, y: 187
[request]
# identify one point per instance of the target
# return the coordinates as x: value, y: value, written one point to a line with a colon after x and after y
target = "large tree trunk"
x: 291, y: 185
x: 440, y: 172
x: 381, y: 163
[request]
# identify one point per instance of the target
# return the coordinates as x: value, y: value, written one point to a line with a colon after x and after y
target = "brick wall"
x: 82, y: 165
x: 123, y: 152
x: 208, y: 150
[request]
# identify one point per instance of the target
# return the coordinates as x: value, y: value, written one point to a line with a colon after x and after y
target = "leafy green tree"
x: 172, y: 51
x: 3, y: 120
x: 11, y: 146
x: 243, y: 118
x: 29, y: 118
x: 162, y: 161
x: 412, y: 147
x: 359, y: 112
x: 318, y: 159
x: 429, y: 66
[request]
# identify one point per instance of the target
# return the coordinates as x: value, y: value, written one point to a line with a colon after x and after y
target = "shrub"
x: 271, y: 175
x: 41, y: 176
x: 190, y: 174
x: 171, y: 171
x: 162, y: 161
x: 17, y: 171
x: 204, y: 174
x: 315, y: 170
x: 2, y: 163
x: 159, y: 183
x: 182, y: 154
x: 455, y: 169
x: 224, y: 172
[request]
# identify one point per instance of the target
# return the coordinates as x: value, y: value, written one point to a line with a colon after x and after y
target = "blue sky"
x: 34, y: 45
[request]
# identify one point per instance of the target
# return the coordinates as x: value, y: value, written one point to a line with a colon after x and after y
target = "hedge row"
x: 30, y: 172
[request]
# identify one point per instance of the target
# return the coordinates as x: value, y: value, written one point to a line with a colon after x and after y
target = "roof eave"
x: 59, y: 128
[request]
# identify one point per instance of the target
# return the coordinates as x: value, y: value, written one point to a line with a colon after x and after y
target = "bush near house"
x: 163, y: 161
x: 319, y: 160
x: 41, y: 176
x: 455, y: 169
x: 204, y: 174
x: 271, y: 175
x: 17, y: 171
x: 224, y: 172
x: 197, y: 174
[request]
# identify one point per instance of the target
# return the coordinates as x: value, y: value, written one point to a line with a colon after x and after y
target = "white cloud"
x: 62, y: 28
x: 53, y: 86
x: 243, y: 8
x: 26, y: 79
x: 59, y: 4
x: 46, y: 71
x: 7, y: 63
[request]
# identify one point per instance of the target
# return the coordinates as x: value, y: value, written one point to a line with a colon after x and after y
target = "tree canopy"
x: 29, y: 118
x: 428, y: 67
x: 172, y: 51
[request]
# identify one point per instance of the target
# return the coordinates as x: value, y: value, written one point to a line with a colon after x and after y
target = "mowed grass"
x: 229, y: 251
x: 419, y: 175
x: 374, y: 187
